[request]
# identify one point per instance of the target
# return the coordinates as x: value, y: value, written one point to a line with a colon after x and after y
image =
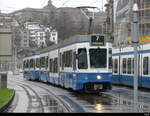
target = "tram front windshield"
x: 98, y: 58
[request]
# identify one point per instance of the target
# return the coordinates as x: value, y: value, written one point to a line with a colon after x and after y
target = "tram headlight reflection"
x: 98, y: 107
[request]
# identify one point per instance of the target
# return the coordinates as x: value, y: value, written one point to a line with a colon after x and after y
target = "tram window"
x: 31, y: 63
x: 42, y: 62
x: 74, y: 60
x: 27, y: 64
x: 82, y: 58
x: 46, y: 61
x: 34, y: 63
x: 98, y: 58
x: 110, y: 58
x: 63, y: 61
x: 67, y: 59
x: 51, y: 65
x: 124, y: 66
x: 132, y: 69
x: 115, y: 66
x: 55, y: 66
x: 129, y: 66
x: 37, y: 63
x: 60, y: 59
x: 24, y: 64
x: 145, y: 65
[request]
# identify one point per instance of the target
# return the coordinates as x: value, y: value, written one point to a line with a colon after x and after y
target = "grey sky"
x: 7, y: 6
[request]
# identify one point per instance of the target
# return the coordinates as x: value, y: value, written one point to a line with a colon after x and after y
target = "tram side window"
x: 67, y: 59
x: 145, y: 65
x: 115, y: 66
x: 34, y: 63
x: 27, y: 64
x: 42, y: 62
x: 55, y: 66
x: 46, y: 62
x: 82, y: 58
x: 51, y: 65
x: 110, y: 58
x: 37, y: 63
x: 129, y: 65
x: 74, y: 60
x: 132, y: 69
x: 63, y: 61
x: 124, y: 66
x: 60, y: 59
x: 31, y: 63
x: 24, y: 64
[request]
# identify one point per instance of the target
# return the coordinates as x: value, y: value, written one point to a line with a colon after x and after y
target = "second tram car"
x: 123, y: 66
x: 75, y: 64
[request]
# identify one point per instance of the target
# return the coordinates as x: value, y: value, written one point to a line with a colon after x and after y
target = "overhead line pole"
x: 135, y: 35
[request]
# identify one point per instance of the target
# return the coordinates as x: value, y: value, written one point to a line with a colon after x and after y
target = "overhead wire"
x: 44, y: 1
x: 65, y: 2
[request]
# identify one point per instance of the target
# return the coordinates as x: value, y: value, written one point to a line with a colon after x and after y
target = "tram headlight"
x: 99, y: 77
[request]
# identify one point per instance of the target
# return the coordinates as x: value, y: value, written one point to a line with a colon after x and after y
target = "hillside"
x: 68, y: 21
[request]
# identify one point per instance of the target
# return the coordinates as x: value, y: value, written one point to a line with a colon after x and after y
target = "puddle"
x: 51, y: 105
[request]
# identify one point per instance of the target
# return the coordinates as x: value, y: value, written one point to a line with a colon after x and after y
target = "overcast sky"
x: 7, y: 6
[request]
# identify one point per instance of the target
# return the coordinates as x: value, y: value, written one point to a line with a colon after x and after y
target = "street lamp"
x: 135, y: 41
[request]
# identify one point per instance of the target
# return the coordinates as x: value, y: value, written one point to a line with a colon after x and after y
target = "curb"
x: 6, y: 105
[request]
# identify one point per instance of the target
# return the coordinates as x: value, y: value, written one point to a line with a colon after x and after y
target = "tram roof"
x: 70, y: 40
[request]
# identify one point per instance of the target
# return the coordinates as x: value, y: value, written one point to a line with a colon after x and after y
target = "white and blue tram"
x: 75, y: 64
x: 123, y: 66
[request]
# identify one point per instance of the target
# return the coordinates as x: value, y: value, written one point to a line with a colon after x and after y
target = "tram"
x: 123, y: 65
x: 82, y: 62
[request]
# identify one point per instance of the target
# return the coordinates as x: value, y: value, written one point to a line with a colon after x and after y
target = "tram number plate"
x: 98, y: 86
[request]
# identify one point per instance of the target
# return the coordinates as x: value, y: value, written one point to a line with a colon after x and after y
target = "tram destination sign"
x: 97, y: 40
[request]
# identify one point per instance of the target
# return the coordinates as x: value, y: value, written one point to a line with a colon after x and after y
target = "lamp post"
x: 135, y: 40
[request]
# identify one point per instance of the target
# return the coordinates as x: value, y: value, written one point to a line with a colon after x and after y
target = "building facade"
x: 25, y: 39
x: 53, y: 35
x: 40, y: 38
x: 6, y: 52
x: 123, y: 16
x: 39, y: 34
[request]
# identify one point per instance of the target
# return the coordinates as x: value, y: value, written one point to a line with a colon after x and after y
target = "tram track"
x: 111, y: 100
x: 24, y: 85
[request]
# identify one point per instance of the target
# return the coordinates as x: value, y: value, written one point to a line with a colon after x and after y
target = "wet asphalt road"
x: 32, y: 96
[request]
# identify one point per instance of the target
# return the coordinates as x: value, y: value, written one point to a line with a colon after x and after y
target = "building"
x: 32, y: 25
x: 123, y: 19
x: 39, y: 34
x: 40, y: 38
x: 52, y: 35
x: 6, y: 51
x: 25, y: 39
